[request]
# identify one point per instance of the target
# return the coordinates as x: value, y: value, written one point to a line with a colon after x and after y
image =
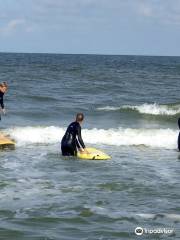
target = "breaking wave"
x: 158, y: 138
x: 152, y: 109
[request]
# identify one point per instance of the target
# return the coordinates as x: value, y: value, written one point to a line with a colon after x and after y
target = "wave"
x: 152, y: 109
x: 156, y: 138
x: 131, y: 215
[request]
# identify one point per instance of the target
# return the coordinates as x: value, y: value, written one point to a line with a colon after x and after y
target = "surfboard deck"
x: 6, y: 142
x: 94, y: 154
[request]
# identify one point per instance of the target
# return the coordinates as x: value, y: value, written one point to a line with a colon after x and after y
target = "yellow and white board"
x: 6, y: 142
x: 93, y: 154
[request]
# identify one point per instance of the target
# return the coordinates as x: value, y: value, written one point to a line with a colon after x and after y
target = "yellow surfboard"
x: 6, y: 142
x: 93, y: 154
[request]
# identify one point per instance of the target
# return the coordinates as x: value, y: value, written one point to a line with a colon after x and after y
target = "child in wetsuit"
x: 3, y: 90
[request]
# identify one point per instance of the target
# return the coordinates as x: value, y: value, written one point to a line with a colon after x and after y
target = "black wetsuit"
x: 179, y: 135
x: 72, y: 140
x: 1, y: 101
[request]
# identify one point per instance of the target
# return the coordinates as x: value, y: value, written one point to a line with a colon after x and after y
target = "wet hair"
x: 79, y: 117
x: 3, y: 84
x: 179, y: 122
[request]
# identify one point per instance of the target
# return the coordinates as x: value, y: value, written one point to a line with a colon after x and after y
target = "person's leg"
x: 73, y: 150
x: 64, y: 151
x: 67, y: 150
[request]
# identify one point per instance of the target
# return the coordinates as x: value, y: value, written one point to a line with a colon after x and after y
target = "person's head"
x: 5, y: 84
x: 79, y: 117
x: 4, y: 87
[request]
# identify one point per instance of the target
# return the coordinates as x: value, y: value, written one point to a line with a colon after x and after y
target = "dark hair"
x: 79, y: 117
x: 5, y: 84
x: 179, y: 122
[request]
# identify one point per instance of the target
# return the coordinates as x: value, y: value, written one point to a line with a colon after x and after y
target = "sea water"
x: 131, y: 106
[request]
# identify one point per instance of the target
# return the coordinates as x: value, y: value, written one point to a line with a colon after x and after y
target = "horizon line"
x: 100, y: 54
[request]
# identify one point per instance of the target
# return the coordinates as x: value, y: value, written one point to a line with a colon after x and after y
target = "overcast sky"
x: 148, y: 27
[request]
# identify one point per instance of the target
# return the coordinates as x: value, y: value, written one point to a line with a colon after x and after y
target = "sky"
x: 137, y: 27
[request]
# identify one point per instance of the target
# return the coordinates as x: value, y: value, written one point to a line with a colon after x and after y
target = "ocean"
x: 131, y: 106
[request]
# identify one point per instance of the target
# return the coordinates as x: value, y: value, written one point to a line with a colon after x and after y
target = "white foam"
x: 109, y: 108
x: 153, y: 109
x: 151, y: 216
x: 161, y: 138
x: 31, y: 135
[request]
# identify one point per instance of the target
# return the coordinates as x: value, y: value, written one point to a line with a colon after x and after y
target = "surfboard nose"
x: 93, y: 154
x: 6, y: 142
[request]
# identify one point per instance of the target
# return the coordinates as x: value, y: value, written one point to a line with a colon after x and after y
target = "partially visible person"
x: 72, y: 140
x: 3, y: 90
x: 179, y: 135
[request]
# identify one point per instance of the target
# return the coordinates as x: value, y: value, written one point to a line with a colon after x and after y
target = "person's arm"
x: 79, y: 137
x: 2, y: 101
x: 77, y: 144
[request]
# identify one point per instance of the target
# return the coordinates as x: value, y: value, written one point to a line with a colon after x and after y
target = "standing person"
x: 3, y: 90
x: 179, y: 135
x: 72, y: 139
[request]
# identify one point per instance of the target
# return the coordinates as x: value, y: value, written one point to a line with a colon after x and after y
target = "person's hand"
x: 86, y: 151
x: 83, y: 150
